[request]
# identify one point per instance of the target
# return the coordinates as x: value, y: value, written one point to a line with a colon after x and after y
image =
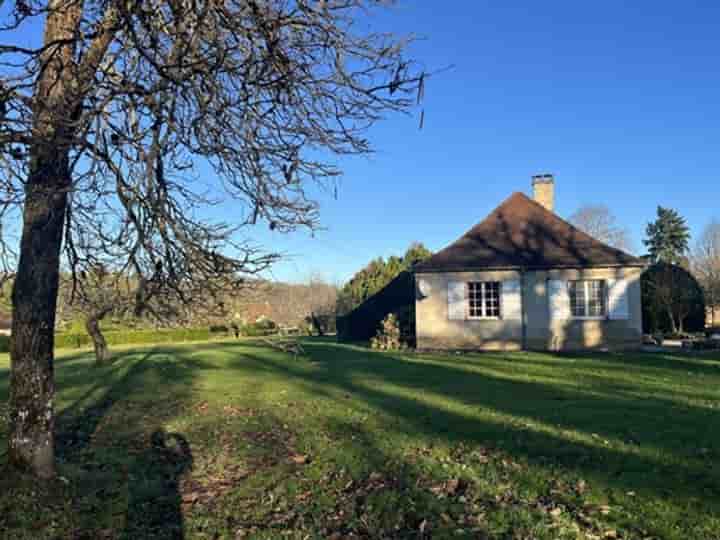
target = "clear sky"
x: 620, y: 100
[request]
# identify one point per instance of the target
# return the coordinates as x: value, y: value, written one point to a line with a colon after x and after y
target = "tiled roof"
x: 521, y: 233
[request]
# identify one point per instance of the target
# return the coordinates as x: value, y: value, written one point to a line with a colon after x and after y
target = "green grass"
x: 237, y: 440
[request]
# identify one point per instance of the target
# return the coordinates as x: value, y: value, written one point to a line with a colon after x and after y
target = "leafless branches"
x: 705, y: 265
x: 600, y: 223
x: 145, y: 95
x: 107, y: 126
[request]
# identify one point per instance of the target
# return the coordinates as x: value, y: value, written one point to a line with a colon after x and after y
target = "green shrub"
x: 134, y: 337
x: 388, y: 337
x: 265, y: 327
x: 4, y: 344
x: 219, y: 329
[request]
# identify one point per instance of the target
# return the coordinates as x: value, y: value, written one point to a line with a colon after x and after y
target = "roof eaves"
x: 448, y: 269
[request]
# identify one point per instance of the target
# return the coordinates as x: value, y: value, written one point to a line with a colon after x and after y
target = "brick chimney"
x: 544, y: 190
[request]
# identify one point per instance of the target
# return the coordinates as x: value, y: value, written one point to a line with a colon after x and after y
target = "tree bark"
x: 317, y: 324
x: 31, y: 444
x: 32, y: 416
x: 672, y: 320
x: 92, y: 325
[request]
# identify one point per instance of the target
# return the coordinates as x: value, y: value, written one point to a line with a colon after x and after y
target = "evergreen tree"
x: 378, y: 274
x: 667, y: 237
x: 416, y: 253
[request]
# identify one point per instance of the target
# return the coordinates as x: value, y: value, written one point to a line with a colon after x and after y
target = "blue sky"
x: 618, y: 99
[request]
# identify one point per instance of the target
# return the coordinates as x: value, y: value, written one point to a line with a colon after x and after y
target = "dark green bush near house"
x: 260, y: 328
x: 133, y: 337
x: 4, y: 344
x: 376, y: 276
x: 406, y: 319
x: 672, y: 300
x: 397, y: 297
x: 219, y: 329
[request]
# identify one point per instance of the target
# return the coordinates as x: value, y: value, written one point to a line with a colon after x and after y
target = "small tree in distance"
x: 705, y: 264
x: 322, y: 304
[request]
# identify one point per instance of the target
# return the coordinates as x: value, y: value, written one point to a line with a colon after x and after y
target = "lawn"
x: 238, y: 440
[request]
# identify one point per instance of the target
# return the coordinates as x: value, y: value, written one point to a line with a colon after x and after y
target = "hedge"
x: 76, y: 340
x: 362, y: 323
x: 259, y: 328
x: 133, y: 337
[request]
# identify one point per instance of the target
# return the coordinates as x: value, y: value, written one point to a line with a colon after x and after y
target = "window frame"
x: 483, y: 301
x: 587, y: 299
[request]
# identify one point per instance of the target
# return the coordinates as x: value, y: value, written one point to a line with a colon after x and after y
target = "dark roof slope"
x: 521, y: 233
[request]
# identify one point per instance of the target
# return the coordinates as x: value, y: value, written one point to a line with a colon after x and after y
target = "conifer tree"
x: 667, y: 237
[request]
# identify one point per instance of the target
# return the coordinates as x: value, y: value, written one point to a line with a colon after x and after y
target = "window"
x: 587, y: 299
x: 483, y: 299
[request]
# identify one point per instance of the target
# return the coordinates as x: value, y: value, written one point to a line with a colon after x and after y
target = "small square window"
x: 483, y: 299
x: 588, y: 299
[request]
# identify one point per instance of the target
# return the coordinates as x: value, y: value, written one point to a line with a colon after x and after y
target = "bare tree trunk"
x: 32, y: 416
x: 31, y: 444
x: 672, y: 320
x: 317, y: 324
x: 92, y: 325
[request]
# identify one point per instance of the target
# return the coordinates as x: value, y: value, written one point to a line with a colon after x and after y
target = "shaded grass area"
x: 238, y: 440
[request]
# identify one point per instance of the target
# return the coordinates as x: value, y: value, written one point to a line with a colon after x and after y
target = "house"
x: 526, y: 279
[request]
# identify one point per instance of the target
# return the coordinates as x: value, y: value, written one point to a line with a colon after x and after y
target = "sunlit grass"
x: 345, y: 441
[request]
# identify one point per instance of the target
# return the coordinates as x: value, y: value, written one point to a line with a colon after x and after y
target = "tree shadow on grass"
x: 121, y: 468
x: 126, y: 471
x: 702, y: 363
x: 616, y: 439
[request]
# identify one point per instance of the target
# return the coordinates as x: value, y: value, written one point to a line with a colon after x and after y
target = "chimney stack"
x: 544, y: 190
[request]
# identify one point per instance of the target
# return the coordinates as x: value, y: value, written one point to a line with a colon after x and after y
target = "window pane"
x: 475, y: 299
x: 492, y: 299
x: 596, y: 298
x: 577, y: 298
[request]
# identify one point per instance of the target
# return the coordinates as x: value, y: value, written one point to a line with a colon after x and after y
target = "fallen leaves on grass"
x: 194, y: 491
x: 451, y: 488
x: 300, y: 459
x: 202, y: 407
x: 234, y: 412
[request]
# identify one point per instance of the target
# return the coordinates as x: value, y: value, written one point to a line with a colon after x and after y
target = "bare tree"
x: 322, y: 304
x: 105, y: 121
x: 600, y: 223
x: 186, y: 294
x: 705, y: 265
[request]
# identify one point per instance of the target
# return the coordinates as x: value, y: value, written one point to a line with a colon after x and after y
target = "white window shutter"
x: 511, y: 300
x: 618, y: 304
x: 559, y: 298
x: 456, y: 300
